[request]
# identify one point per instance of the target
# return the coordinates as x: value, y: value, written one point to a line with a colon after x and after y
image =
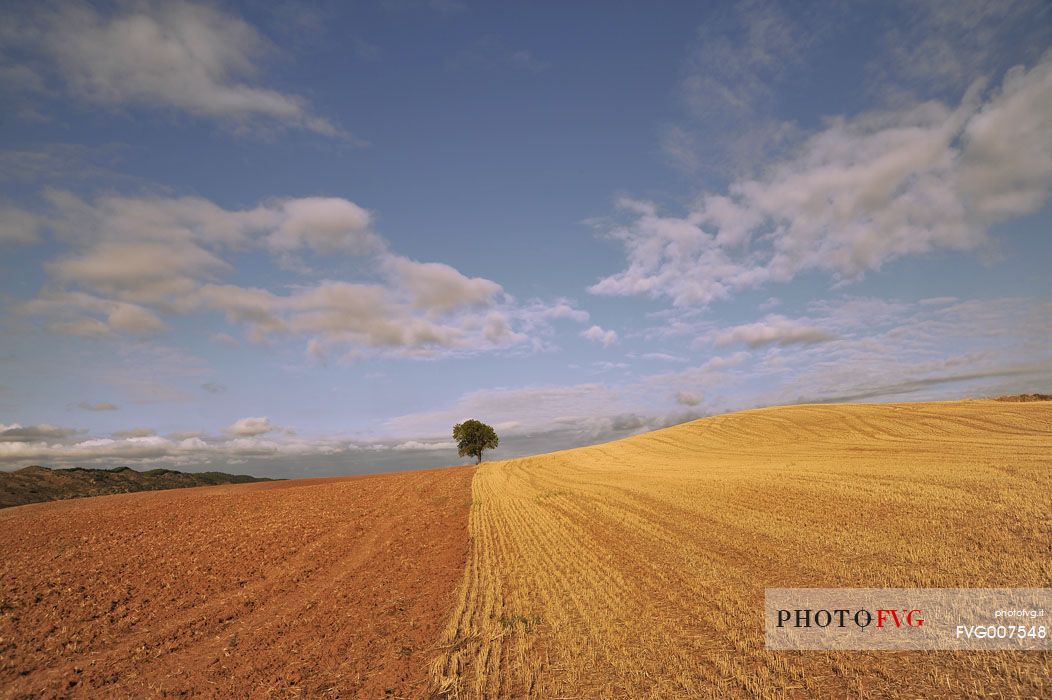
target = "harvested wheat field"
x: 316, y: 588
x: 637, y: 568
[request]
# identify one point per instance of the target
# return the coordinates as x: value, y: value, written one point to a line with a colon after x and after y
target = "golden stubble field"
x: 637, y: 568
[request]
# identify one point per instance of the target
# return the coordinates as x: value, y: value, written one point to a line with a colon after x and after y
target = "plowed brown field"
x: 314, y: 588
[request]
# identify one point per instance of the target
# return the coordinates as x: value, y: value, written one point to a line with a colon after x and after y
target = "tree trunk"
x: 478, y: 459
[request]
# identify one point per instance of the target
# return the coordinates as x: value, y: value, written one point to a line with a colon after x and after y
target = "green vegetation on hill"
x: 35, y: 484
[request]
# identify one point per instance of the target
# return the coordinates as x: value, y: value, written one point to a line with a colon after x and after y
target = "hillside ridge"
x: 638, y: 567
x: 37, y: 484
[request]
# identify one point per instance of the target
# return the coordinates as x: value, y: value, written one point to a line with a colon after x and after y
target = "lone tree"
x: 472, y: 437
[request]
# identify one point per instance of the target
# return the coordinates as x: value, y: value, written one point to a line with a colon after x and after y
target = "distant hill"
x: 35, y: 484
x: 1024, y: 398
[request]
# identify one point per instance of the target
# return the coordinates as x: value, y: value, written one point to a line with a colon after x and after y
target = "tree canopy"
x: 473, y: 437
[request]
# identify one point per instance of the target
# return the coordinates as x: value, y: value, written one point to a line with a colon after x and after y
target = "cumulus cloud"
x: 133, y: 260
x: 188, y: 57
x: 438, y: 287
x: 145, y: 271
x: 858, y: 194
x: 16, y: 433
x: 365, y: 314
x: 368, y: 317
x: 1006, y: 166
x: 172, y: 450
x: 252, y: 427
x: 324, y: 224
x: 134, y: 433
x: 151, y: 249
x: 597, y: 334
x: 332, y: 312
x: 274, y: 448
x: 773, y: 330
x: 104, y: 316
x: 100, y: 406
x: 559, y: 309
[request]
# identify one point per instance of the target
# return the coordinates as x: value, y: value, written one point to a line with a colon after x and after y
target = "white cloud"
x: 420, y: 445
x: 149, y: 248
x: 16, y: 433
x: 133, y: 260
x: 773, y: 330
x: 107, y: 316
x: 134, y: 433
x: 659, y: 356
x: 376, y: 317
x: 858, y: 194
x: 172, y: 450
x: 365, y: 314
x: 564, y: 309
x: 597, y: 334
x: 324, y: 224
x: 138, y: 271
x: 252, y: 427
x: 255, y: 441
x: 439, y: 288
x: 1006, y: 166
x: 183, y: 56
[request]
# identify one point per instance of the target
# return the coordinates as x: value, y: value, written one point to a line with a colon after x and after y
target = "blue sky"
x: 306, y: 238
